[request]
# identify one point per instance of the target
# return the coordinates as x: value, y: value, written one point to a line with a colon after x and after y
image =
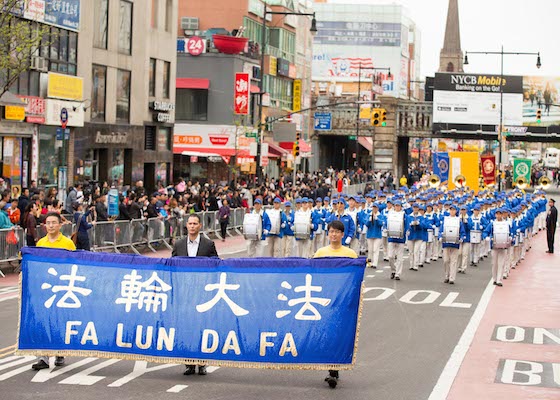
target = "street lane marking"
x: 379, y: 272
x: 177, y: 388
x: 370, y: 276
x: 9, y: 298
x: 9, y: 289
x: 451, y: 369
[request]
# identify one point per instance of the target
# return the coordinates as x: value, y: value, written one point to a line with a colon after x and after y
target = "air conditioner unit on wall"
x: 39, y: 64
x: 189, y: 23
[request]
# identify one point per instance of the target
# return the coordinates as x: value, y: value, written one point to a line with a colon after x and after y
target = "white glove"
x: 283, y: 225
x: 265, y: 232
x: 364, y: 229
x: 488, y: 239
x: 348, y: 240
x: 292, y: 227
x: 311, y: 226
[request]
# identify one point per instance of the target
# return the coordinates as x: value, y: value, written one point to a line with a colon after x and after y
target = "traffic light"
x: 383, y: 117
x: 539, y: 116
x: 375, y: 117
x: 295, y: 150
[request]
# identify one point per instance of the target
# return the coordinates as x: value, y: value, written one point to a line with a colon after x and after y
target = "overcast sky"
x: 520, y: 25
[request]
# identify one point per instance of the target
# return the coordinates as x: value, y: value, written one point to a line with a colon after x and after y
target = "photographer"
x: 82, y: 225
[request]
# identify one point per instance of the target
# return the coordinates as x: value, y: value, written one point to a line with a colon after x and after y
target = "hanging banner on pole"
x: 290, y: 313
x: 441, y: 166
x: 488, y: 169
x: 242, y: 93
x: 522, y: 168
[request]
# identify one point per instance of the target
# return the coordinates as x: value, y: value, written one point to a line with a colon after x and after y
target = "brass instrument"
x: 460, y: 181
x: 434, y: 181
x: 544, y: 182
x: 521, y: 182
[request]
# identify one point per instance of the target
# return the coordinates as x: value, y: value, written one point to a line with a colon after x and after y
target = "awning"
x: 366, y: 142
x: 199, y: 154
x: 203, y: 151
x: 275, y: 151
x: 192, y: 83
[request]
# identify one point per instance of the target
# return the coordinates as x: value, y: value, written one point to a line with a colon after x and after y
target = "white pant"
x: 385, y: 247
x: 465, y: 256
x: 318, y: 242
x: 499, y: 257
x: 355, y: 245
x: 256, y: 248
x: 450, y: 261
x: 303, y: 248
x: 476, y: 252
x: 415, y: 251
x: 396, y: 254
x: 274, y: 246
x: 288, y: 246
x: 374, y: 247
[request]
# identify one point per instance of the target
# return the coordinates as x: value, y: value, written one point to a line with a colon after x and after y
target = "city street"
x: 409, y: 330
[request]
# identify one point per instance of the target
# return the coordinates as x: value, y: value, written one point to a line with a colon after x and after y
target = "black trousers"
x: 550, y: 239
x: 223, y: 226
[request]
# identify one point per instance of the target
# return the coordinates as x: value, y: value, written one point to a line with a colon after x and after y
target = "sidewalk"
x: 517, y: 342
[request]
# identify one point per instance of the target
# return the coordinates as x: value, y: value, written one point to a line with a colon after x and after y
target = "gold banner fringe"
x: 172, y: 360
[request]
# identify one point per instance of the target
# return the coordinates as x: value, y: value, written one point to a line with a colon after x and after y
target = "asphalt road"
x: 406, y: 338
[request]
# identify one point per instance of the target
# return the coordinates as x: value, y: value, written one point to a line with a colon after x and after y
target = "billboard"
x: 541, y: 92
x: 358, y: 33
x: 475, y: 99
x: 61, y: 13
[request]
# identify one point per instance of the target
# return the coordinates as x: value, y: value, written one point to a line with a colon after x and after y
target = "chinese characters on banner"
x: 242, y: 93
x: 241, y: 312
x: 488, y: 169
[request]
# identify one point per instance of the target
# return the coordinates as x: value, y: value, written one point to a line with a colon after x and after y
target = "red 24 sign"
x: 196, y: 46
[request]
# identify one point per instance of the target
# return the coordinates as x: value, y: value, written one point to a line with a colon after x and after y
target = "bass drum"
x: 274, y: 216
x: 451, y: 230
x: 502, y: 239
x: 430, y: 235
x: 476, y: 237
x: 395, y: 225
x: 301, y: 225
x: 252, y: 226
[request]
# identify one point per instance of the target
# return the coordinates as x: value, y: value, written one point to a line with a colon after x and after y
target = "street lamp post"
x: 501, y: 53
x: 358, y: 105
x: 313, y: 30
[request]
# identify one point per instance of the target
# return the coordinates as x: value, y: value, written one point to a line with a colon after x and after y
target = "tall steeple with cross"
x: 451, y: 55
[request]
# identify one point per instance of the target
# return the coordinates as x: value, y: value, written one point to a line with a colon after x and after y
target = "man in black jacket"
x: 551, y: 221
x: 194, y: 245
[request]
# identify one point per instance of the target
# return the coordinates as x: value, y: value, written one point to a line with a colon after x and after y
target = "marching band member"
x: 465, y: 255
x: 374, y: 225
x: 274, y: 237
x: 415, y: 235
x: 287, y: 228
x: 303, y: 246
x: 476, y: 226
x: 363, y: 215
x: 453, y: 233
x: 396, y: 240
x: 341, y: 215
x: 509, y: 256
x: 388, y: 207
x: 327, y: 210
x: 495, y: 233
x: 352, y: 211
x: 318, y: 215
x: 424, y: 228
x: 431, y: 237
x: 256, y: 248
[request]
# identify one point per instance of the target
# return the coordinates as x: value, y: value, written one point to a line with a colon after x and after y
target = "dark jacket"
x: 101, y: 211
x: 134, y: 210
x: 206, y: 248
x: 552, y: 219
x: 123, y: 213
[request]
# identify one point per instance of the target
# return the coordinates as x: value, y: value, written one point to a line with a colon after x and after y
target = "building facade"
x: 127, y: 58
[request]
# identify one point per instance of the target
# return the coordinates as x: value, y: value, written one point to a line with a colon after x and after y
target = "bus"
x: 552, y: 158
x: 516, y: 153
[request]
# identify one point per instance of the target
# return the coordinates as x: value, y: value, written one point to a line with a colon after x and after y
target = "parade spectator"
x: 83, y: 226
x: 29, y: 223
x: 223, y: 217
x: 14, y: 212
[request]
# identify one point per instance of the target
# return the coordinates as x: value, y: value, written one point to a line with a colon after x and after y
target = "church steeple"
x: 451, y: 55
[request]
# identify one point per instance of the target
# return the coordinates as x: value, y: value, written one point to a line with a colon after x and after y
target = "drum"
x: 436, y: 231
x: 395, y: 225
x: 275, y: 220
x: 301, y: 225
x: 430, y: 235
x: 502, y: 240
x: 476, y: 237
x: 451, y: 230
x: 252, y: 226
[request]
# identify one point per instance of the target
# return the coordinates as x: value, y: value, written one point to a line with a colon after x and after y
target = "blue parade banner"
x: 441, y: 166
x: 265, y: 313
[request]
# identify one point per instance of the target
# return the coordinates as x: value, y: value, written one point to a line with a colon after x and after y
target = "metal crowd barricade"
x: 67, y: 229
x: 138, y: 234
x: 104, y: 236
x: 238, y: 216
x: 156, y: 233
x: 171, y: 228
x: 122, y: 234
x: 10, y: 251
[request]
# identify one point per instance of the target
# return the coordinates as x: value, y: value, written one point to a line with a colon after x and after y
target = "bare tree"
x: 19, y: 42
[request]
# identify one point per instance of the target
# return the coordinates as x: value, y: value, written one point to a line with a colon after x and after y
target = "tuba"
x: 434, y: 181
x: 544, y: 183
x: 460, y: 181
x: 521, y: 182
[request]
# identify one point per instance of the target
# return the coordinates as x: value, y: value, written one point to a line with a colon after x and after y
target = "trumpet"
x: 434, y: 181
x: 544, y: 182
x: 521, y: 182
x: 460, y: 181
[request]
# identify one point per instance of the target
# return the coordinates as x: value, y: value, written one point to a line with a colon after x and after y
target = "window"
x: 154, y: 19
x: 166, y: 74
x: 192, y: 105
x: 73, y: 48
x: 253, y: 30
x: 152, y: 84
x: 150, y: 138
x: 55, y: 35
x: 164, y: 139
x: 60, y: 47
x: 123, y: 95
x: 125, y: 27
x: 98, y: 91
x: 101, y: 17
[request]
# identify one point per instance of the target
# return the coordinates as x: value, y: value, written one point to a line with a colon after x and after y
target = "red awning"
x: 275, y: 151
x: 192, y: 83
x: 200, y: 151
x: 366, y: 142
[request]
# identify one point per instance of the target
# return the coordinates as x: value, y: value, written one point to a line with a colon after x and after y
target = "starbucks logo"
x: 443, y: 166
x: 522, y: 169
x: 488, y: 166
